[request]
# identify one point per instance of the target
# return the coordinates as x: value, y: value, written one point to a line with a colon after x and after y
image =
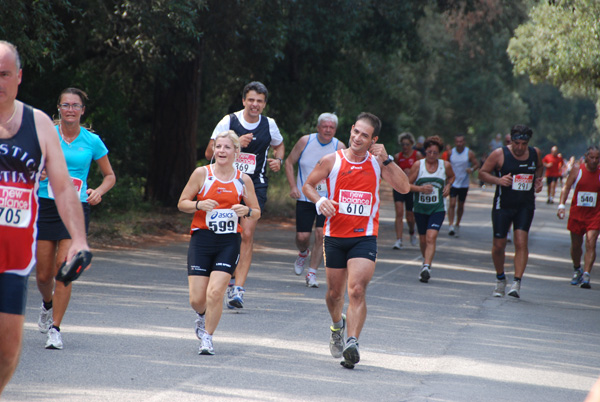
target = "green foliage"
x: 560, y: 45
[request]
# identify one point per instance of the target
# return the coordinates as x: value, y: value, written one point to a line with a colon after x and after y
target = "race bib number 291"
x: 15, y: 206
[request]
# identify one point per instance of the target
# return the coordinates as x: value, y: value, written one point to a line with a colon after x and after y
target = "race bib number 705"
x: 15, y: 206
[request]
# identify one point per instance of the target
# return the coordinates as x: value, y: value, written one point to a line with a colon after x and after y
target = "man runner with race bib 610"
x: 520, y: 177
x: 257, y: 134
x: 351, y: 226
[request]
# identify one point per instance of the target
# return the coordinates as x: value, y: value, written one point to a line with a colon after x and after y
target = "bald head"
x: 8, y: 49
x: 554, y: 150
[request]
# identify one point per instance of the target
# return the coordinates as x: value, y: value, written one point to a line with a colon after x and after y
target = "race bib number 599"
x: 15, y: 206
x: 355, y: 202
x: 222, y: 221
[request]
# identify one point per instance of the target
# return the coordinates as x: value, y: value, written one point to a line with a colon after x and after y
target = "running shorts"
x: 425, y: 222
x: 209, y: 252
x: 306, y: 213
x: 338, y: 250
x: 407, y: 199
x: 502, y: 218
x: 50, y: 226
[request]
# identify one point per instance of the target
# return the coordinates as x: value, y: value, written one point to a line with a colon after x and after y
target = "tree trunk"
x: 174, y: 128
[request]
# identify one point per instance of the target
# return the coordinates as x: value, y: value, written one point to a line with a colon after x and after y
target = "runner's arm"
x: 474, y: 162
x: 564, y: 194
x: 319, y: 173
x: 290, y: 161
x: 108, y: 181
x: 187, y: 202
x: 250, y: 200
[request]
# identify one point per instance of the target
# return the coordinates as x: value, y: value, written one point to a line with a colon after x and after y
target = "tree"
x: 559, y: 45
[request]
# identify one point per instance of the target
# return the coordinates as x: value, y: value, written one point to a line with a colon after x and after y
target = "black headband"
x: 521, y: 136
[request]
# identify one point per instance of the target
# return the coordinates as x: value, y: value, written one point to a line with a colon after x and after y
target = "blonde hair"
x: 231, y: 135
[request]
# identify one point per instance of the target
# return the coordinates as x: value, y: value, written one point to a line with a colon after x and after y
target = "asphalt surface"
x: 129, y: 336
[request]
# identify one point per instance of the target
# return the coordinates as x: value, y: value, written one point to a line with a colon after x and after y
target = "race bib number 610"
x: 15, y: 207
x: 355, y: 202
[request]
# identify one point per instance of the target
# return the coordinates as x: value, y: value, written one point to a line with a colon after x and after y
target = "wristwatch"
x: 249, y: 214
x: 389, y: 160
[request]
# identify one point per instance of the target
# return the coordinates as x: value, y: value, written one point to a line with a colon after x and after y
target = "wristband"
x: 561, y: 206
x: 197, y: 209
x: 280, y: 161
x: 318, y: 205
x: 249, y: 212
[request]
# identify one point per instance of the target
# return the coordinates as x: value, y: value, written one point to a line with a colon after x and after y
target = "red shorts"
x: 580, y: 228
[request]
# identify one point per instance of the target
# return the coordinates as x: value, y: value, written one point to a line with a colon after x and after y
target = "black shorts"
x: 209, y: 252
x: 407, y: 199
x: 460, y: 192
x: 338, y: 250
x: 261, y: 194
x: 305, y: 216
x: 50, y: 226
x: 502, y: 218
x: 426, y: 222
x: 551, y: 179
x: 13, y: 293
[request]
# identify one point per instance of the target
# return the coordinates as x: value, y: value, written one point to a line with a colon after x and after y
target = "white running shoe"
x: 45, y: 321
x: 456, y: 231
x: 311, y: 280
x: 451, y: 232
x: 206, y: 345
x: 301, y: 262
x: 515, y: 289
x: 425, y: 274
x: 397, y: 245
x: 200, y: 322
x: 413, y: 239
x: 500, y: 288
x: 336, y: 341
x: 54, y: 339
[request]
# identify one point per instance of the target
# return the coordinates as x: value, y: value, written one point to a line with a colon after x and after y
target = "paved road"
x: 128, y: 332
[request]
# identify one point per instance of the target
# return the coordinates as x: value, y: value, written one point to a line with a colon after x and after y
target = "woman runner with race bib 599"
x: 214, y: 194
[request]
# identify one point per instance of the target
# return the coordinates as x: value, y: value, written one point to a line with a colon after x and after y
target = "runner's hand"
x: 295, y: 193
x: 94, y: 197
x: 328, y: 208
x: 207, y: 205
x: 274, y: 164
x: 426, y: 189
x: 246, y: 139
x: 539, y: 184
x: 506, y: 180
x: 240, y: 210
x: 378, y: 151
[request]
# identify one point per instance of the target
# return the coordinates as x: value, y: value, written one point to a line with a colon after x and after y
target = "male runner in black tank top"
x: 520, y: 175
x: 28, y: 143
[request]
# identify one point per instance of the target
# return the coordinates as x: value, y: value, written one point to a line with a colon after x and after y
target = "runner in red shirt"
x: 405, y: 159
x: 584, y: 215
x: 553, y: 163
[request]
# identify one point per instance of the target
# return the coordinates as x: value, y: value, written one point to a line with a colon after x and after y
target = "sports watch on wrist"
x: 389, y: 160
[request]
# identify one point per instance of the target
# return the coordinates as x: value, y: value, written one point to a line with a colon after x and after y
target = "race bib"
x: 522, y: 182
x: 222, y: 221
x: 432, y: 198
x: 15, y: 206
x: 586, y: 199
x: 355, y: 202
x: 245, y: 163
x: 322, y: 186
x: 76, y: 182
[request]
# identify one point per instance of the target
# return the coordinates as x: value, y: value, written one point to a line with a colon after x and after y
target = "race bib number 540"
x: 355, y: 202
x: 15, y: 206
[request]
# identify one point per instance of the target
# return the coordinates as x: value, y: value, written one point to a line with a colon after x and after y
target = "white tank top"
x: 312, y: 153
x: 460, y: 163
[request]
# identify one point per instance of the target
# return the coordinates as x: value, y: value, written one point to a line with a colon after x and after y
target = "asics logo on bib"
x: 226, y: 215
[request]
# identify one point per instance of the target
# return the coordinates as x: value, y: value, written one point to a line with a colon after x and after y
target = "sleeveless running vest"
x: 222, y: 220
x: 311, y: 154
x: 584, y: 205
x: 522, y: 192
x: 259, y: 146
x: 355, y: 186
x: 20, y: 162
x: 460, y: 164
x: 428, y: 204
x: 406, y: 163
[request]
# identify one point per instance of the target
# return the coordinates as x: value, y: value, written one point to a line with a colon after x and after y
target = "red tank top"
x: 355, y: 186
x: 584, y: 205
x: 221, y: 220
x: 404, y: 162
